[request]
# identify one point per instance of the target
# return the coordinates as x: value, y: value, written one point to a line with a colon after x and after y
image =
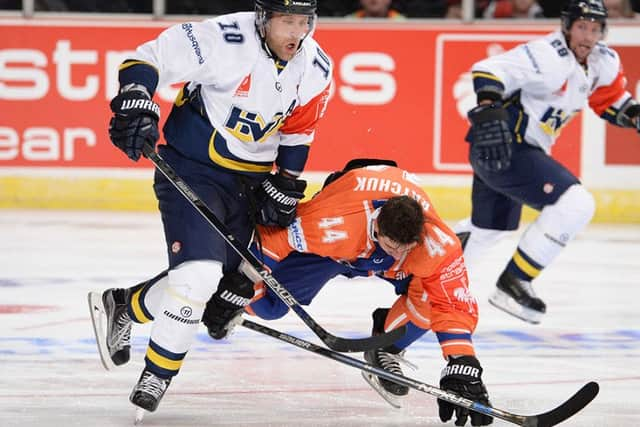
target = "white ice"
x: 50, y: 373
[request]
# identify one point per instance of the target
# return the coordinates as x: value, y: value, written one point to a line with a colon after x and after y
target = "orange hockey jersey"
x: 338, y: 223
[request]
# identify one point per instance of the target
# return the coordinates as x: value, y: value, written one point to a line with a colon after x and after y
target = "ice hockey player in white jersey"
x: 525, y: 97
x: 239, y: 134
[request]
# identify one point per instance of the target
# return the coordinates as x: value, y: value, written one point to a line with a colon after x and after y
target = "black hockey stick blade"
x: 332, y: 341
x: 355, y: 345
x: 568, y: 409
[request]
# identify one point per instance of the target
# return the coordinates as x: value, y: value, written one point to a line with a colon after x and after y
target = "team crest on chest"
x: 248, y: 126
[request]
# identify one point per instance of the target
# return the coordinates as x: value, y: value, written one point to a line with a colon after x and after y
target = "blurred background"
x: 401, y: 90
x: 329, y: 8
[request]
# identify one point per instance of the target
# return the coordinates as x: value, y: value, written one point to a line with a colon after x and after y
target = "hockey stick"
x: 550, y: 418
x: 257, y: 269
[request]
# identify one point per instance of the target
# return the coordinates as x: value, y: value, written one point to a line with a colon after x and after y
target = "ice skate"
x: 516, y: 297
x: 148, y: 392
x: 388, y: 390
x: 111, y: 325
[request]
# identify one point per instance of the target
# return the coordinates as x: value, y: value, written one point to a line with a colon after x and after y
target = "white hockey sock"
x: 190, y: 286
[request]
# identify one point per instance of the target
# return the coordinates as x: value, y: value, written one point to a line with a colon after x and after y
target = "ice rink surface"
x: 50, y: 373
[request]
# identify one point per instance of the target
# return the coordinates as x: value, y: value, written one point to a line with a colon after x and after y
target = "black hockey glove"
x: 491, y: 137
x: 234, y: 293
x: 134, y: 122
x: 463, y: 376
x: 633, y: 113
x: 278, y: 198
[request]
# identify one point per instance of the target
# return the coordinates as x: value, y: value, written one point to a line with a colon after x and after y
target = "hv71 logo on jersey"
x: 250, y: 127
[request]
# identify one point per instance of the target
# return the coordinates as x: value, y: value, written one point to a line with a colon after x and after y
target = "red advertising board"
x: 401, y: 92
x: 622, y: 147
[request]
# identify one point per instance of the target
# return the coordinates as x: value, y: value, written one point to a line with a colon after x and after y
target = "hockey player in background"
x: 376, y: 220
x: 525, y: 98
x: 257, y: 84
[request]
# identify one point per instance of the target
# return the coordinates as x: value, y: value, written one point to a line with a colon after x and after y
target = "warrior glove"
x: 633, y: 113
x: 629, y: 115
x: 134, y: 122
x: 226, y: 305
x: 463, y: 376
x: 278, y: 198
x: 490, y: 137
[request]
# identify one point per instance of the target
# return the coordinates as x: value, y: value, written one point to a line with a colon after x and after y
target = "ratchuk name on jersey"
x: 391, y: 186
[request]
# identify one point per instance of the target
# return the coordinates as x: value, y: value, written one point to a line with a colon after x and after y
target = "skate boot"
x: 118, y: 325
x: 112, y: 326
x: 388, y: 390
x: 389, y: 362
x: 149, y: 390
x: 516, y: 297
x: 387, y: 359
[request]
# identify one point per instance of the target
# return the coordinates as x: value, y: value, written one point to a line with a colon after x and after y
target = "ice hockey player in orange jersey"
x: 377, y: 220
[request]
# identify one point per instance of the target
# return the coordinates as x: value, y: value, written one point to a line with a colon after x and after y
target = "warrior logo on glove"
x: 284, y: 200
x: 463, y: 375
x: 278, y: 198
x: 134, y: 122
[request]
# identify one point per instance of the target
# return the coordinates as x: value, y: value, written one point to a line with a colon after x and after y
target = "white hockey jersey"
x: 253, y: 108
x: 551, y: 86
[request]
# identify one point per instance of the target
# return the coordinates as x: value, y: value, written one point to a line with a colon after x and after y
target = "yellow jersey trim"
x: 128, y: 64
x: 485, y: 76
x: 233, y: 164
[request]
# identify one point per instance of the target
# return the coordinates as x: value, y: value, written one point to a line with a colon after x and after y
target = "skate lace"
x: 391, y: 362
x: 151, y: 384
x: 527, y: 288
x: 121, y: 335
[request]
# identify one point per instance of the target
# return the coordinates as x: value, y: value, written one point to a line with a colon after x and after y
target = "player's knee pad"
x: 190, y: 286
x: 570, y: 214
x: 480, y: 240
x: 195, y: 280
x: 557, y: 224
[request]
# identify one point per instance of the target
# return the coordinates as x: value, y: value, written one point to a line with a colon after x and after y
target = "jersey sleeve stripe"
x: 140, y: 72
x: 304, y: 118
x: 604, y: 96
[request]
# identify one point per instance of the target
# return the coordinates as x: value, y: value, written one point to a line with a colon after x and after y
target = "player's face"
x: 284, y: 33
x: 393, y: 248
x: 583, y: 36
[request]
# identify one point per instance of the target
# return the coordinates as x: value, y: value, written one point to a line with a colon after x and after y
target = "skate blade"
x: 504, y: 302
x: 375, y: 384
x: 99, y: 321
x: 139, y: 419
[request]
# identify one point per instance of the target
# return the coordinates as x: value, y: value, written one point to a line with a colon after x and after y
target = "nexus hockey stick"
x: 257, y: 269
x: 546, y: 419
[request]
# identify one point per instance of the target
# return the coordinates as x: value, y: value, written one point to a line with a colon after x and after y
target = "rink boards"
x: 388, y: 101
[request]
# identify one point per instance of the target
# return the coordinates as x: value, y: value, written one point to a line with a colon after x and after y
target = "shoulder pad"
x: 553, y: 57
x: 318, y: 70
x: 606, y: 63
